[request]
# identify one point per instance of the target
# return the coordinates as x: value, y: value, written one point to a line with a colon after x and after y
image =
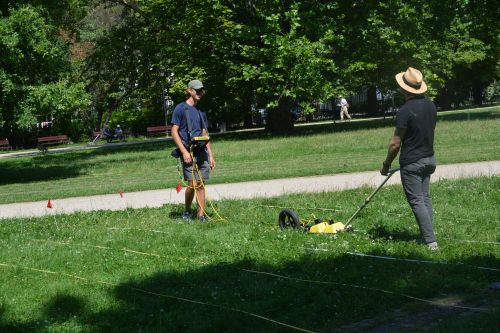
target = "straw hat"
x: 411, y: 81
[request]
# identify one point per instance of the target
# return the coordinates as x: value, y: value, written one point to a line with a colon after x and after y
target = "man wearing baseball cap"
x: 188, y: 122
x: 414, y: 136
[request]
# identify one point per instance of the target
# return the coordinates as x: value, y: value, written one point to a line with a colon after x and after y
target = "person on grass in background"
x: 203, y: 157
x: 343, y: 108
x: 414, y: 136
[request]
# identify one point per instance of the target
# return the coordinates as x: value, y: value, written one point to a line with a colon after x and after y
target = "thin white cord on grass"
x: 306, y: 208
x: 227, y: 308
x: 363, y: 287
x: 139, y: 229
x: 470, y: 241
x: 421, y: 261
x: 100, y: 247
x: 122, y: 249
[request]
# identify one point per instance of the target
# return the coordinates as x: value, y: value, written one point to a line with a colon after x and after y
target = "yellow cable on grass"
x: 202, y: 185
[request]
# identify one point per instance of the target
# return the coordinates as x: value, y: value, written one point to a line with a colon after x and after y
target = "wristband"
x: 386, y: 165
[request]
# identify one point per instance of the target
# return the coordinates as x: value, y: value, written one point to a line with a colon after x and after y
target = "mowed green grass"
x: 461, y: 136
x: 147, y: 271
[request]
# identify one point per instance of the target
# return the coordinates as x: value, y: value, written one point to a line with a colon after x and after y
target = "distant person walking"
x: 189, y: 122
x: 414, y: 136
x: 343, y: 108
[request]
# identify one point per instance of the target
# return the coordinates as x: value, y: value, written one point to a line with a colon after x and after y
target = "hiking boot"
x: 203, y: 219
x: 433, y: 246
x: 186, y: 216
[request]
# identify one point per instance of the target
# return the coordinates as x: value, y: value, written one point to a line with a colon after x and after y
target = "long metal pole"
x: 367, y: 200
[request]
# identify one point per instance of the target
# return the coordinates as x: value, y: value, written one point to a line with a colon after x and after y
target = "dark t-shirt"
x: 418, y: 115
x: 179, y: 119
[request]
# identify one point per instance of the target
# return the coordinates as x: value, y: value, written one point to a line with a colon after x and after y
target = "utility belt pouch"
x: 176, y: 153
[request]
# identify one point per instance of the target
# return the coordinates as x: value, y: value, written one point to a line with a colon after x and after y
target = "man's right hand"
x: 186, y: 157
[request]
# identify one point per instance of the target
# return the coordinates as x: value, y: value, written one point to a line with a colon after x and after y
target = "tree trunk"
x: 247, y: 111
x: 444, y: 99
x: 372, y: 100
x: 477, y: 94
x: 279, y: 120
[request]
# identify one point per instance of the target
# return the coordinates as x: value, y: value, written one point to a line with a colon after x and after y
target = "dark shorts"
x: 200, y: 166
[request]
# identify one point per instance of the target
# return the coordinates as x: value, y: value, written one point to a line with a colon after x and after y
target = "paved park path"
x: 244, y: 190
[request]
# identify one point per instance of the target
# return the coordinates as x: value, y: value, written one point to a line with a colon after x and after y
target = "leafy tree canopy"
x: 35, y: 72
x: 250, y: 54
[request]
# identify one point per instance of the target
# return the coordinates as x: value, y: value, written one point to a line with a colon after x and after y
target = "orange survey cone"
x: 49, y: 204
x: 178, y: 188
x: 121, y: 194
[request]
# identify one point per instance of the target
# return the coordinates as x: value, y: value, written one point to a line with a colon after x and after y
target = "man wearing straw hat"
x: 414, y: 136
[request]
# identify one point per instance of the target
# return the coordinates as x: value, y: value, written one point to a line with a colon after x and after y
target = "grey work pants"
x: 416, y: 178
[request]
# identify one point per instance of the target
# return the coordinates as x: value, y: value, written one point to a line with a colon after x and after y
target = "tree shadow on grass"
x: 465, y: 116
x: 64, y: 307
x: 381, y: 232
x: 366, y: 124
x: 49, y: 167
x: 315, y: 293
x: 312, y: 129
x: 58, y: 310
x: 13, y: 174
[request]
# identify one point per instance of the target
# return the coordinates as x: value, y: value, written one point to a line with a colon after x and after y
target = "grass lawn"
x: 461, y: 136
x: 147, y: 271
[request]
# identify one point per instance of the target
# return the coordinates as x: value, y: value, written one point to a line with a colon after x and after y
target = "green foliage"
x: 35, y: 73
x: 492, y: 92
x: 250, y: 54
x: 290, y: 65
x: 135, y: 119
x: 57, y: 101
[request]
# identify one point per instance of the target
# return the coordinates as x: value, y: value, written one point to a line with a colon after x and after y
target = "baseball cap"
x: 195, y: 84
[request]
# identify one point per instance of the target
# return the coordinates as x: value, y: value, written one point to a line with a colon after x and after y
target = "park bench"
x: 167, y: 129
x: 50, y: 140
x: 5, y: 145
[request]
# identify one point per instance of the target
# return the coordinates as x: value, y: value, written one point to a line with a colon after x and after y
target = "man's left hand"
x: 384, y: 170
x: 212, y: 163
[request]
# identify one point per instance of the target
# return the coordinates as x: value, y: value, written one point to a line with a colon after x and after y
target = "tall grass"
x: 147, y: 271
x: 311, y: 150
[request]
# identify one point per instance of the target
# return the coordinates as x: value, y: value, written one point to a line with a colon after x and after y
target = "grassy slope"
x: 209, y: 263
x: 312, y: 150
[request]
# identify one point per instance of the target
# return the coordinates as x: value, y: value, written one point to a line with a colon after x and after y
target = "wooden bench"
x: 50, y: 140
x: 166, y: 129
x: 5, y: 145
